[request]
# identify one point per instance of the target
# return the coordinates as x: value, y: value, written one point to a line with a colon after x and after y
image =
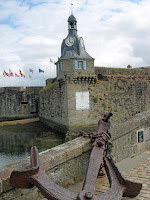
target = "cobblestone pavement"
x: 140, y: 173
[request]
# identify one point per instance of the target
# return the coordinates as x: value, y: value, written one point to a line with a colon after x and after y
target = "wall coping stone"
x: 49, y: 158
x: 140, y: 119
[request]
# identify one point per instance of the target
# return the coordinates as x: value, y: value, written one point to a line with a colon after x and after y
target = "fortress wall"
x: 66, y: 164
x: 53, y: 109
x: 125, y: 92
x: 77, y: 117
x: 18, y: 102
x: 123, y: 95
x: 122, y: 71
x: 125, y: 136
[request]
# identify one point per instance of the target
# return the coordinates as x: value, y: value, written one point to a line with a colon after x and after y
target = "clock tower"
x: 74, y: 59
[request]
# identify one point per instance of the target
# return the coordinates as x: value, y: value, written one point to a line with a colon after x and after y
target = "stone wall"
x: 125, y: 136
x: 53, y: 109
x: 18, y: 102
x: 124, y: 92
x: 68, y: 67
x: 66, y: 164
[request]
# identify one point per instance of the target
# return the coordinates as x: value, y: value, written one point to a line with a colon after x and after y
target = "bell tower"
x: 72, y: 23
x: 74, y: 59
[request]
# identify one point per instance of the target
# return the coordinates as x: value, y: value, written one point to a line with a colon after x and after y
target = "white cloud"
x: 116, y: 33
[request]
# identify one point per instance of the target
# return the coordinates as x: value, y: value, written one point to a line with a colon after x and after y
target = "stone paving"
x: 140, y: 173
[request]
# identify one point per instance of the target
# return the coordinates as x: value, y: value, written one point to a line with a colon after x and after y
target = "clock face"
x: 69, y: 41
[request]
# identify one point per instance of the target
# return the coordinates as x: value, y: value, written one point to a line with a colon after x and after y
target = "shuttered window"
x: 59, y: 67
x: 80, y: 64
x: 76, y: 64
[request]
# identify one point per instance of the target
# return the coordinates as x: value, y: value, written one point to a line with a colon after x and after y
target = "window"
x: 72, y: 25
x: 80, y: 64
x: 60, y: 67
x: 140, y: 136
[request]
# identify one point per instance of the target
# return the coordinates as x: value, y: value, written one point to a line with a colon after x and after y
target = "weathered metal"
x: 119, y: 187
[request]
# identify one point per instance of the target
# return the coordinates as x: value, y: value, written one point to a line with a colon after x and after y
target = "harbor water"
x: 17, y: 140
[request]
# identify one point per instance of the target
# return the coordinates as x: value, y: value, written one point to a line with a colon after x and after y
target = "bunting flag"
x: 31, y: 70
x: 11, y: 73
x: 41, y: 71
x: 30, y: 77
x: 16, y: 75
x: 22, y: 75
x: 7, y: 74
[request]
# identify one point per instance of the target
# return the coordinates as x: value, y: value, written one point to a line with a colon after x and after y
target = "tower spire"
x: 71, y: 7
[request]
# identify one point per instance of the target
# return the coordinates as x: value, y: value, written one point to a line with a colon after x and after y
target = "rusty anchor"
x: 119, y: 187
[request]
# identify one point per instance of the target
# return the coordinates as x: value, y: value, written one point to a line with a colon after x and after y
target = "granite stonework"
x: 125, y: 136
x: 18, y: 102
x: 66, y: 164
x: 124, y: 92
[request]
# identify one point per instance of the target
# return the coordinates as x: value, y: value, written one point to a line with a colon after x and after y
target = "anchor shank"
x: 96, y: 158
x: 95, y: 161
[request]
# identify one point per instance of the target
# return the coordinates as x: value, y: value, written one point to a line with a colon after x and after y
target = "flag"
x: 31, y: 70
x: 30, y: 77
x: 50, y: 60
x: 41, y: 71
x: 16, y: 75
x: 22, y: 75
x: 11, y: 73
x: 7, y: 74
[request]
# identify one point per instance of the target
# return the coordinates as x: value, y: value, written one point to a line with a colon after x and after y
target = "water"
x: 17, y: 140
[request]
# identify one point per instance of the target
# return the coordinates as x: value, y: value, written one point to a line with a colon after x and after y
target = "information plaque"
x: 82, y: 100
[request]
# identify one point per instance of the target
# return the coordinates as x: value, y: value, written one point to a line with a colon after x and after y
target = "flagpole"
x: 29, y: 80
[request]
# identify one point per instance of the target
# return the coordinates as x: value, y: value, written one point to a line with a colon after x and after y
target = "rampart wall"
x: 53, y: 109
x: 18, y: 102
x: 66, y: 164
x: 124, y: 92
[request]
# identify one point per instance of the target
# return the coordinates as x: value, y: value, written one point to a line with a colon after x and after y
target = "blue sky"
x: 116, y: 33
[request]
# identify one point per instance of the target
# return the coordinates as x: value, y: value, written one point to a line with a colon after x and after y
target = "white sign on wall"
x: 82, y: 100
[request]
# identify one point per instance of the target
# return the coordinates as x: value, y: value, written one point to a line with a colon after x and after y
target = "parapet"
x: 122, y: 71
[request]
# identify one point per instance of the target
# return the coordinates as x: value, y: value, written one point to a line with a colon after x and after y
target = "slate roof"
x: 73, y: 54
x: 77, y: 50
x: 72, y: 18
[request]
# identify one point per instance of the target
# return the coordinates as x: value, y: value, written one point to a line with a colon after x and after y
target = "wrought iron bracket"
x: 119, y: 187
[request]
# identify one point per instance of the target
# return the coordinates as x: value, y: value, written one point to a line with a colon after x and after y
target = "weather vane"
x: 71, y: 7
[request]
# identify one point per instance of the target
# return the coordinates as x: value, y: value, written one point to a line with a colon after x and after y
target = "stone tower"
x: 74, y: 59
x: 67, y: 104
